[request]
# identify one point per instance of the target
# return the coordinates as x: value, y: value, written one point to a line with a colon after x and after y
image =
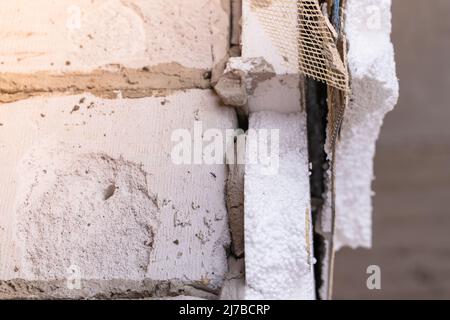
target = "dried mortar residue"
x: 241, y: 78
x: 105, y: 82
x: 86, y: 212
x: 101, y: 289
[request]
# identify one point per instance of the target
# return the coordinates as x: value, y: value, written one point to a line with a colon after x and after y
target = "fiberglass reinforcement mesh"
x: 304, y: 37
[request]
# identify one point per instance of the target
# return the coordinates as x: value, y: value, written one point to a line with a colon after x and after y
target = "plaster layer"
x: 88, y: 188
x: 278, y: 237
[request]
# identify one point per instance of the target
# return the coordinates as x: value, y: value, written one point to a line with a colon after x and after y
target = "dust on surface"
x: 86, y: 212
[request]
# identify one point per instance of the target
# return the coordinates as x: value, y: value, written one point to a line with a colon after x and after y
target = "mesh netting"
x: 304, y: 37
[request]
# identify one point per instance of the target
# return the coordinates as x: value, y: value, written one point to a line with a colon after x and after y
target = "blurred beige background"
x: 412, y: 168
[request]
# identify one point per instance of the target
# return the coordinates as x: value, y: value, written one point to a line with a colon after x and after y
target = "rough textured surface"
x: 83, y: 35
x: 109, y: 82
x: 235, y: 202
x: 79, y: 209
x: 264, y: 89
x: 234, y: 284
x: 87, y: 185
x: 232, y: 88
x: 102, y: 289
x: 278, y: 240
x: 374, y: 93
x: 82, y: 178
x: 72, y: 47
x: 251, y: 85
x: 411, y: 214
x: 280, y: 92
x: 277, y: 259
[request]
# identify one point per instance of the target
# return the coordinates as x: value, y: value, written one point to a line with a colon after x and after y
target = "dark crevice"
x: 317, y: 111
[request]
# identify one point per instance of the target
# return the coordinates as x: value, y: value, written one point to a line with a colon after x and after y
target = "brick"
x: 88, y: 188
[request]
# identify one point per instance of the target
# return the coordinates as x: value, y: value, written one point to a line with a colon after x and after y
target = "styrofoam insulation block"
x: 87, y: 185
x: 278, y: 237
x: 83, y: 35
x: 278, y: 262
x: 374, y: 87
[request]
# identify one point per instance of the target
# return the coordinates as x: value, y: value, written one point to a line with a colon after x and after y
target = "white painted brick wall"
x: 163, y: 222
x: 82, y: 35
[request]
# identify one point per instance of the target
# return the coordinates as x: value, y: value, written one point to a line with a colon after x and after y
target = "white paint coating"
x: 82, y: 35
x: 55, y: 176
